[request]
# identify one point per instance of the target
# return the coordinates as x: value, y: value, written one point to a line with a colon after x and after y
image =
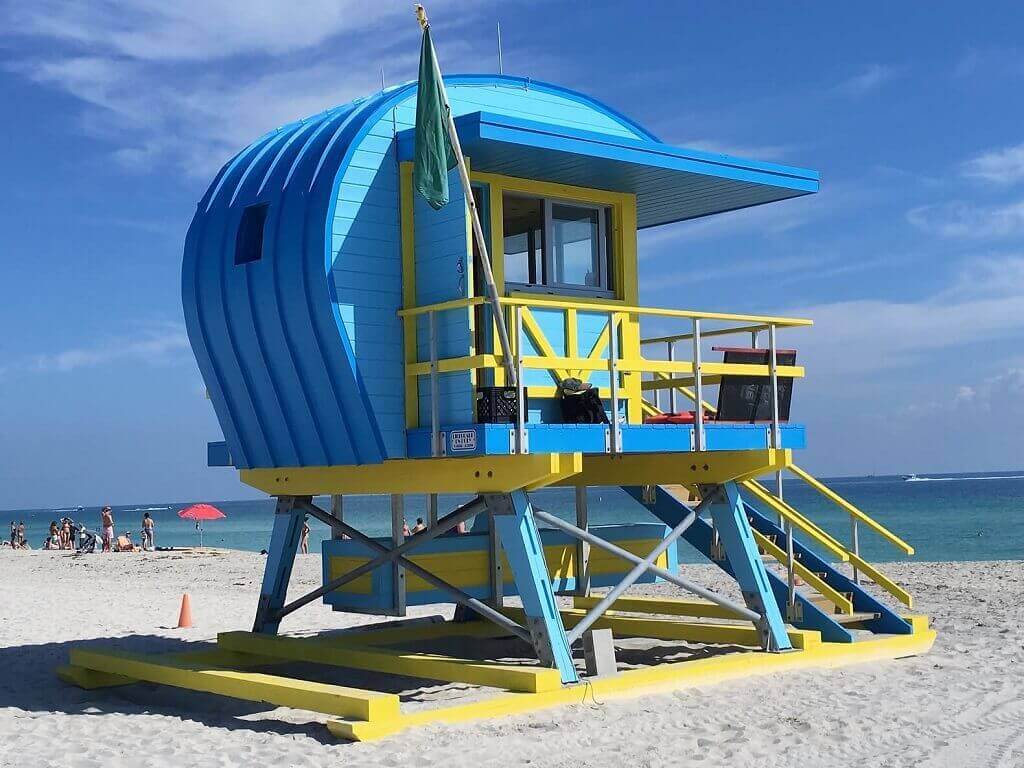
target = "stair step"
x: 854, y: 618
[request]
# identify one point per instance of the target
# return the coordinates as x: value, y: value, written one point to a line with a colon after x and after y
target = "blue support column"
x: 517, y: 530
x: 733, y: 528
x: 699, y: 535
x: 284, y: 541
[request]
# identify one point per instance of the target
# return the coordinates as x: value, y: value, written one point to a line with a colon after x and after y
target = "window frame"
x: 605, y: 259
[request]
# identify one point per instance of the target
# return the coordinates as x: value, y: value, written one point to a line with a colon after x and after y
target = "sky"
x: 910, y: 260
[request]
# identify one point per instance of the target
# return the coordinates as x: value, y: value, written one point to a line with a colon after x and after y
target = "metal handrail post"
x: 855, y: 543
x: 698, y: 390
x: 672, y: 390
x: 776, y: 440
x: 517, y: 322
x: 613, y: 380
x: 435, y: 443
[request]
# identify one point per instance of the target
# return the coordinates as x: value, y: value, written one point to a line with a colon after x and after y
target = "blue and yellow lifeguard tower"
x: 343, y: 331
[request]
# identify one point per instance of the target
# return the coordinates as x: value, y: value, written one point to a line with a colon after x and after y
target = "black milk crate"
x: 500, y: 405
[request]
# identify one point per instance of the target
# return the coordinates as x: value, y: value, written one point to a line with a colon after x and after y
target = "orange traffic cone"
x: 185, y: 616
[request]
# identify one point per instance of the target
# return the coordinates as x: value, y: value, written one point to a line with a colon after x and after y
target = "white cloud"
x: 960, y: 219
x: 871, y: 79
x: 1000, y: 394
x: 191, y: 83
x: 859, y: 339
x: 160, y: 345
x: 201, y: 30
x: 998, y: 166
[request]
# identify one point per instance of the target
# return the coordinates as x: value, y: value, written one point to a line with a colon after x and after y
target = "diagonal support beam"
x: 630, y: 578
x: 730, y: 519
x: 741, y: 612
x: 396, y: 554
x: 444, y: 525
x: 513, y: 518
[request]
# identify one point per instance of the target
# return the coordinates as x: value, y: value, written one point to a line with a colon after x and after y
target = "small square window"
x: 249, y: 243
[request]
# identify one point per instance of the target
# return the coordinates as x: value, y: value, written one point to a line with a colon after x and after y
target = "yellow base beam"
x: 341, y: 653
x: 705, y: 467
x: 474, y: 474
x: 631, y: 683
x: 671, y: 629
x: 663, y: 606
x: 249, y: 686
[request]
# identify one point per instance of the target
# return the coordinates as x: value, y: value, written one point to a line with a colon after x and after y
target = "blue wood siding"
x: 366, y: 242
x: 301, y: 350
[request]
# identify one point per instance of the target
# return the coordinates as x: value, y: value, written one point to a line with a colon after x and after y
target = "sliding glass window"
x: 557, y: 246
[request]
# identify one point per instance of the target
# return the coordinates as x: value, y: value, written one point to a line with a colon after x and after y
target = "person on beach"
x: 14, y: 535
x: 21, y: 535
x: 147, y: 533
x: 107, y: 523
x: 65, y: 534
x: 53, y: 540
x: 304, y: 537
x: 420, y: 525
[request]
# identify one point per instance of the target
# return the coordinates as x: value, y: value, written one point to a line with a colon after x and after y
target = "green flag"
x: 433, y: 157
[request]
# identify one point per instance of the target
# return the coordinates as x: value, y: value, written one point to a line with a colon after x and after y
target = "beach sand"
x: 961, y: 705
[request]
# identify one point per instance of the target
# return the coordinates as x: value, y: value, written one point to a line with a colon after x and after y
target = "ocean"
x: 976, y: 516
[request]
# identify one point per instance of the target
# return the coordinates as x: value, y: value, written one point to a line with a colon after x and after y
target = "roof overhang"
x: 671, y: 183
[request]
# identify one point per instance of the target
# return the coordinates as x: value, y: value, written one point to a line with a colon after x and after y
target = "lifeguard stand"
x: 338, y: 324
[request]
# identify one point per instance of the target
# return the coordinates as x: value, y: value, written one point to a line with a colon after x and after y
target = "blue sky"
x: 910, y: 260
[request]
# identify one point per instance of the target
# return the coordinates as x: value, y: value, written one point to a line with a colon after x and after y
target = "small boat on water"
x: 912, y: 478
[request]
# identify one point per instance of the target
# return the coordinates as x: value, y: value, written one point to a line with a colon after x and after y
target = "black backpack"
x: 580, y: 403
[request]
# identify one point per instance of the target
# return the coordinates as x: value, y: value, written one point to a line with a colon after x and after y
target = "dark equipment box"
x: 500, y: 405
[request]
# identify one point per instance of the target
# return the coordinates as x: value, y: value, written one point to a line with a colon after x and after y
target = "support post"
x: 672, y: 390
x: 698, y: 390
x: 435, y: 428
x: 284, y: 541
x: 741, y: 550
x: 582, y: 546
x: 496, y: 570
x: 613, y: 380
x: 517, y: 530
x: 432, y: 510
x: 397, y: 540
x: 855, y: 548
x: 338, y: 511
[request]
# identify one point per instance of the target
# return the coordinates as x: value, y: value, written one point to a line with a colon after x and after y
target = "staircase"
x: 830, y: 601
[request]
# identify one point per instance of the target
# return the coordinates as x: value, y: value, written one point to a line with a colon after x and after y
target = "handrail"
x: 442, y: 306
x: 785, y: 322
x: 850, y: 509
x: 713, y: 332
x: 590, y: 306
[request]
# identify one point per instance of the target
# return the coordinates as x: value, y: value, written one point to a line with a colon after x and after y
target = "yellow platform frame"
x: 364, y: 715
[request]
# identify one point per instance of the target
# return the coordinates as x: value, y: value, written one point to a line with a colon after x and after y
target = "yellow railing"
x: 617, y: 351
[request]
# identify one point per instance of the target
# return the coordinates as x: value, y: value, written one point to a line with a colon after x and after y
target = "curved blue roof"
x: 269, y: 336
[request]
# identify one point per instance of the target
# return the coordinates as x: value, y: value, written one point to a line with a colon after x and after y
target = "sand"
x: 961, y: 705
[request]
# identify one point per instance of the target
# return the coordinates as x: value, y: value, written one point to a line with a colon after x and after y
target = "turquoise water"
x: 947, y: 517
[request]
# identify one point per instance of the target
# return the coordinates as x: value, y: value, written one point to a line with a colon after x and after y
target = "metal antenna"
x: 382, y: 78
x: 501, y: 70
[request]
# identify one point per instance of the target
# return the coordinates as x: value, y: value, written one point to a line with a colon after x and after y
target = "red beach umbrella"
x: 199, y: 513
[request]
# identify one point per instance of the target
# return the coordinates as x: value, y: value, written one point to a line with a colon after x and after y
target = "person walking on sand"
x: 14, y: 535
x: 107, y: 523
x: 147, y: 533
x: 304, y: 536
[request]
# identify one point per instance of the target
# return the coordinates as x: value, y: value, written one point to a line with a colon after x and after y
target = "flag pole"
x: 478, y: 231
